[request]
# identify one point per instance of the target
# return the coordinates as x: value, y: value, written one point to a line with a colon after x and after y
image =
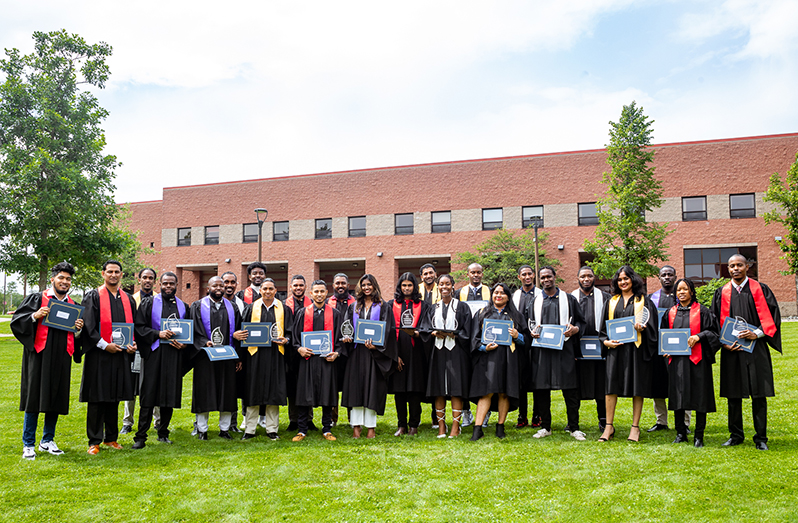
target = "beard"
x: 168, y: 295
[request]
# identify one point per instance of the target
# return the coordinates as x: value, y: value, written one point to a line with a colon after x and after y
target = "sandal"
x: 441, y: 422
x: 638, y: 434
x: 456, y: 423
x: 612, y: 435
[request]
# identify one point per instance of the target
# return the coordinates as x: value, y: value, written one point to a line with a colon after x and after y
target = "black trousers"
x: 523, y: 406
x: 759, y: 409
x: 304, y: 415
x: 543, y: 403
x: 102, y: 422
x: 403, y: 400
x: 700, y: 423
x: 145, y: 420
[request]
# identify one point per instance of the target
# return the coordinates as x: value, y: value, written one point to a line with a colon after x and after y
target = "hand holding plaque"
x: 347, y: 331
x: 642, y: 318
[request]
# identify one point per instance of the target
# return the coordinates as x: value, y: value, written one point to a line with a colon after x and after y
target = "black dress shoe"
x: 126, y: 429
x: 202, y: 436
x: 762, y: 446
x: 235, y: 429
x: 272, y: 436
x: 698, y: 442
x: 657, y: 427
x: 731, y: 442
x: 164, y: 439
x: 500, y: 431
x: 477, y: 433
x: 247, y: 436
x: 680, y: 438
x: 292, y: 426
x: 138, y: 445
x: 224, y: 434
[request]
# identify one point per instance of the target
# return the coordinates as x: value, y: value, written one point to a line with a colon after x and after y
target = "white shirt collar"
x: 738, y: 288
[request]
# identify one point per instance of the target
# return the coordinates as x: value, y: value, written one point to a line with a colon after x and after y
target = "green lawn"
x: 407, y: 479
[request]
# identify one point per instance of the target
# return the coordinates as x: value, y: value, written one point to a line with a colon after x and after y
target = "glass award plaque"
x: 172, y: 324
x: 274, y: 331
x: 217, y: 338
x: 122, y: 334
x: 730, y: 331
x: 219, y: 351
x: 533, y: 326
x: 347, y: 330
x: 643, y: 317
x: 407, y: 320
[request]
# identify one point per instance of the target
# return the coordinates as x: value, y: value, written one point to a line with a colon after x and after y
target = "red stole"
x: 308, y: 320
x: 41, y: 331
x: 333, y: 302
x: 695, y: 328
x: 105, y: 311
x: 762, y: 310
x: 290, y: 303
x: 248, y: 295
x: 397, y: 315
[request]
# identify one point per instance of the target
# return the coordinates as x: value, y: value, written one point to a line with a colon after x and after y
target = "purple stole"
x: 155, y: 317
x: 655, y: 298
x: 376, y: 308
x: 205, y: 313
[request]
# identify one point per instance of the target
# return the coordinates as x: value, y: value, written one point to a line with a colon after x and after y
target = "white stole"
x: 517, y: 298
x: 449, y: 324
x: 564, y: 311
x: 598, y: 304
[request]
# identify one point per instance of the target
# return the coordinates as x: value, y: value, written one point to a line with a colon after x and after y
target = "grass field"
x: 406, y: 479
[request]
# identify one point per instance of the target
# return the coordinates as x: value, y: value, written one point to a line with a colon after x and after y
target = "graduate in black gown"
x: 629, y: 365
x: 449, y: 325
x: 162, y: 379
x: 521, y: 298
x: 264, y: 368
x: 409, y: 383
x: 592, y: 374
x: 494, y: 376
x: 317, y: 377
x: 214, y: 382
x: 664, y: 298
x: 748, y: 374
x: 46, y: 361
x: 690, y: 377
x: 365, y: 385
x: 256, y: 272
x: 556, y: 369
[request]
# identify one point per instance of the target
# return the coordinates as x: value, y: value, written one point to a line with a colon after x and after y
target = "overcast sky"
x: 204, y: 92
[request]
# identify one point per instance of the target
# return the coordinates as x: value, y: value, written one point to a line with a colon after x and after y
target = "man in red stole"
x: 107, y: 377
x: 295, y: 301
x: 747, y: 374
x: 46, y: 362
x: 256, y: 272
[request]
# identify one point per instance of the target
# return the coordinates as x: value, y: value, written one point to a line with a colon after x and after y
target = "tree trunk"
x: 43, y: 273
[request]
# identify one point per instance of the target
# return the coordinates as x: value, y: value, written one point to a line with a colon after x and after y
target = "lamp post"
x: 537, y: 263
x: 258, y: 212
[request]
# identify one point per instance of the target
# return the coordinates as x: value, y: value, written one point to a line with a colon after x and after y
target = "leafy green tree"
x: 623, y: 237
x: 56, y: 191
x: 785, y: 196
x: 501, y: 255
x: 705, y: 293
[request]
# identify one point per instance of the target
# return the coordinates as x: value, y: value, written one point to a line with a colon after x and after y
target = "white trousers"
x: 130, y: 407
x: 224, y: 421
x: 272, y: 418
x: 363, y: 416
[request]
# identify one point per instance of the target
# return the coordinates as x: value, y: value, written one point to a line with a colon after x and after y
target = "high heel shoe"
x: 441, y: 421
x: 638, y: 434
x: 612, y: 435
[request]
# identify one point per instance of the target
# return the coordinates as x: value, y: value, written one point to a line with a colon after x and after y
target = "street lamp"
x: 258, y: 212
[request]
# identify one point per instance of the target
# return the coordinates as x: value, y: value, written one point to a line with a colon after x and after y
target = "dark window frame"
x: 186, y: 241
x: 441, y: 227
x: 718, y: 259
x: 403, y: 230
x: 493, y: 225
x: 320, y: 232
x: 694, y: 216
x: 586, y: 220
x: 210, y: 240
x: 742, y: 212
x: 280, y: 236
x: 528, y: 223
x: 356, y: 232
x: 249, y: 238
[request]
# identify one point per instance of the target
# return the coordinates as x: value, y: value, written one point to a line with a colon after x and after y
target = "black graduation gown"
x: 293, y: 356
x: 255, y: 295
x: 264, y: 372
x: 340, y: 363
x: 744, y: 374
x: 525, y: 354
x: 556, y: 369
x: 415, y: 356
x: 659, y: 385
x: 630, y: 368
x: 494, y: 371
x: 46, y: 375
x: 162, y: 382
x: 690, y: 386
x: 214, y: 383
x: 449, y: 370
x: 591, y: 374
x: 106, y: 377
x: 365, y: 381
x: 316, y: 384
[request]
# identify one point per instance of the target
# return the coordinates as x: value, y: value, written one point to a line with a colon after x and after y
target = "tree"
x: 623, y: 237
x: 705, y: 293
x: 501, y: 255
x: 785, y: 196
x: 56, y: 191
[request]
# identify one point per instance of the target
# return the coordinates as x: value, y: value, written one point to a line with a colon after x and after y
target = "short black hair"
x: 448, y: 277
x: 268, y: 280
x: 154, y: 274
x: 169, y: 273
x: 317, y: 282
x: 63, y: 266
x: 112, y: 262
x: 521, y: 268
x: 426, y: 266
x: 297, y: 277
x: 255, y: 265
x: 549, y: 267
x: 690, y: 286
x: 586, y: 268
x: 637, y: 281
x: 341, y: 275
x: 399, y: 295
x: 671, y: 267
x: 225, y: 273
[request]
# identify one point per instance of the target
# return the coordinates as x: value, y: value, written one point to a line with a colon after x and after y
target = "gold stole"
x: 279, y: 319
x: 485, y: 293
x: 436, y: 294
x: 639, y: 304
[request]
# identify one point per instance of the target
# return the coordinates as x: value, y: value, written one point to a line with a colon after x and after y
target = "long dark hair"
x: 376, y: 295
x: 398, y: 295
x: 691, y: 288
x: 637, y: 281
x: 510, y: 307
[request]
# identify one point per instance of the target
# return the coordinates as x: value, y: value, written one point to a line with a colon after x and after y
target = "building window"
x: 532, y: 215
x: 442, y: 221
x: 280, y: 231
x: 492, y: 219
x: 250, y: 232
x: 694, y: 208
x: 702, y: 265
x: 184, y: 237
x: 357, y: 226
x: 742, y: 205
x: 212, y: 235
x: 403, y: 223
x: 587, y: 214
x: 323, y: 228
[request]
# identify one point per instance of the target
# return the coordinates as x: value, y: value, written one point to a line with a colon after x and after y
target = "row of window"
x: 694, y: 208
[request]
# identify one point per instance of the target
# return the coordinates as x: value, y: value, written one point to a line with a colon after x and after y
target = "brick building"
x: 388, y: 220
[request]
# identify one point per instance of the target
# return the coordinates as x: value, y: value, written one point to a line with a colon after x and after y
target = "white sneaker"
x: 28, y: 453
x: 468, y: 418
x: 542, y: 433
x: 243, y: 424
x: 50, y: 447
x: 487, y: 420
x: 578, y: 435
